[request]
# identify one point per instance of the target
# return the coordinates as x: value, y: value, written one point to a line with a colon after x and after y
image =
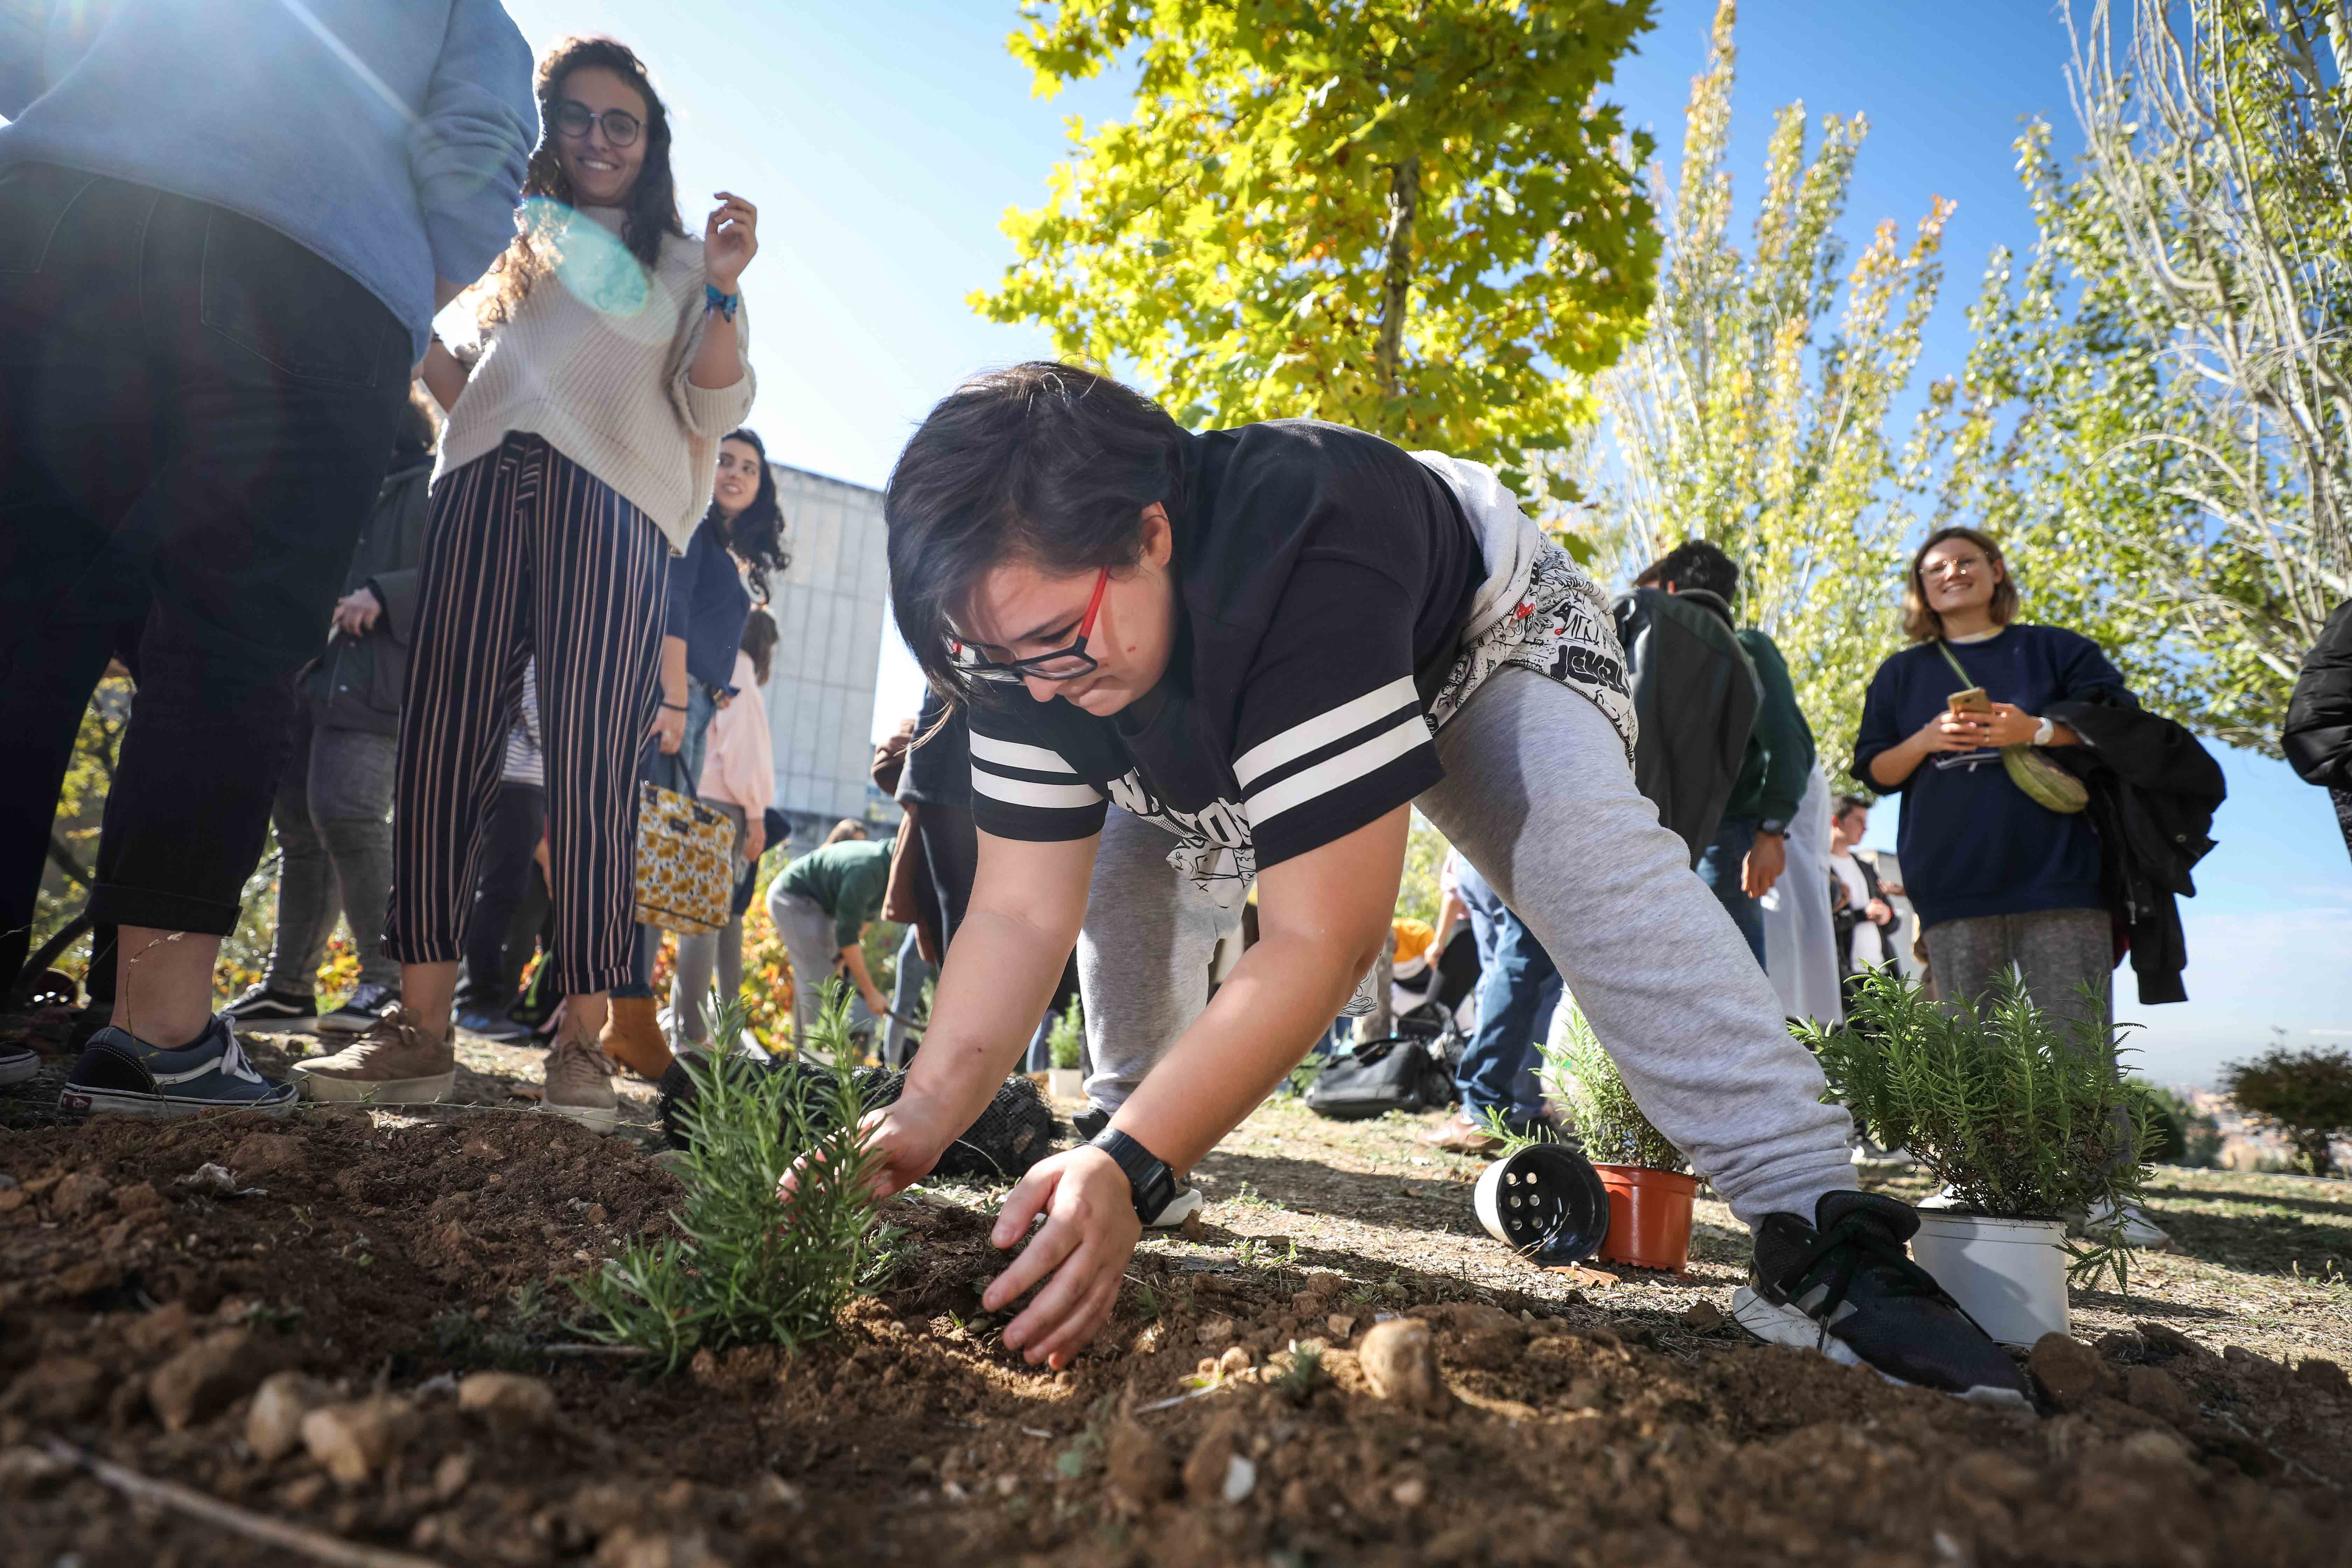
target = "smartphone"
x: 1972, y: 701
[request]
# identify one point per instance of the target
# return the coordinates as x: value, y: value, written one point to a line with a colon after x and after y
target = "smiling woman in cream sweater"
x: 578, y: 460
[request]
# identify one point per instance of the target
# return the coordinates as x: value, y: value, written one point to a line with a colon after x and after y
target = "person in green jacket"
x: 1751, y: 846
x: 821, y: 904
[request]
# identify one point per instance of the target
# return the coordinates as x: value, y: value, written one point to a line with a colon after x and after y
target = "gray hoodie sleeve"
x: 468, y: 150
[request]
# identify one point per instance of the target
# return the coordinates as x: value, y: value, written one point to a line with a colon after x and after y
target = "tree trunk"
x: 1404, y: 204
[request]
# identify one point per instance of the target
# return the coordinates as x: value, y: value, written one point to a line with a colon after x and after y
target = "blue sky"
x: 884, y: 140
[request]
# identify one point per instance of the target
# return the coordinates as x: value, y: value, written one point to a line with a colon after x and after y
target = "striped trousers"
x: 528, y: 552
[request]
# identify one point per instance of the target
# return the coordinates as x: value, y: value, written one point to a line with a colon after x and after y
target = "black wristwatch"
x: 1777, y: 828
x: 1148, y: 1175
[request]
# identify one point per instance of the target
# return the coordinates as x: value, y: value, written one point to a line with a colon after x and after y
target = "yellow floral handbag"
x: 686, y: 859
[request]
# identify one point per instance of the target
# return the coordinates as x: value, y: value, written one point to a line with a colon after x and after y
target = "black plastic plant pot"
x: 1546, y: 1202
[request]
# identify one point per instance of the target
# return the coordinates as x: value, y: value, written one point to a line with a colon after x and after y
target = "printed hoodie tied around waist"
x: 595, y: 361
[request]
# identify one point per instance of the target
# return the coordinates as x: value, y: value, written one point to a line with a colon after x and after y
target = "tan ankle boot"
x: 633, y: 1037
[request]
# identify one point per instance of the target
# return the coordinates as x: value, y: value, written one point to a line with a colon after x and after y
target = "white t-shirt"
x: 1869, y: 947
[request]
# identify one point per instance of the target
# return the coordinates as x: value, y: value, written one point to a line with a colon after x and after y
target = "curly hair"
x: 756, y: 534
x: 652, y: 212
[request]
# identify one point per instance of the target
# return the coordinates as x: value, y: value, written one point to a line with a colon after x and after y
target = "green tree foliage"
x: 2154, y: 415
x: 1754, y: 411
x: 2306, y: 1095
x: 1413, y: 217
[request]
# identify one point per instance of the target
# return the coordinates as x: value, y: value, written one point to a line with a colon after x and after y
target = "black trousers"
x: 518, y: 817
x: 195, y: 414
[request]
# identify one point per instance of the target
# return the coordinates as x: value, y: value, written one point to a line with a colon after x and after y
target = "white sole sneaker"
x: 423, y: 1090
x: 76, y: 1100
x: 1187, y: 1203
x: 1777, y: 1325
x: 14, y: 1068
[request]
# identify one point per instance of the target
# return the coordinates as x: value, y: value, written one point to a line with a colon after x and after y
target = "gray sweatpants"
x: 2061, y: 954
x: 1539, y: 797
x: 808, y: 936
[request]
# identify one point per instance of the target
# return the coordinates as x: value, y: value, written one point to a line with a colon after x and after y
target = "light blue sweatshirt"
x: 386, y: 136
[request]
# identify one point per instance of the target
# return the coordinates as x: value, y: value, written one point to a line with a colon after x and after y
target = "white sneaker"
x: 2126, y: 1225
x: 1186, y: 1202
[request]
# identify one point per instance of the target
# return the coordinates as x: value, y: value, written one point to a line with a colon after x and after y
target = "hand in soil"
x: 908, y: 1143
x: 1089, y: 1234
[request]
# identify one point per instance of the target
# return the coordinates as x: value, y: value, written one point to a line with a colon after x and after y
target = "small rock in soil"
x: 353, y: 1440
x: 678, y: 1548
x: 1236, y: 1361
x: 26, y: 1470
x: 1140, y: 1469
x: 1702, y: 1317
x: 78, y: 1194
x: 273, y: 1428
x: 1411, y: 1492
x: 1400, y: 1360
x: 204, y: 1378
x: 1215, y: 1331
x: 1241, y: 1478
x: 509, y: 1401
x: 2068, y: 1369
x: 1342, y: 1324
x: 2315, y: 1372
x: 2156, y: 1391
x: 166, y: 1328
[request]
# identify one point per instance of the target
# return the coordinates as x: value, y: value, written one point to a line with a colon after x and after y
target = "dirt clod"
x: 1140, y: 1469
x: 273, y: 1428
x: 66, y: 1388
x: 353, y: 1440
x: 1702, y: 1317
x: 204, y: 1378
x: 509, y: 1401
x: 1211, y: 1458
x: 2157, y: 1392
x: 2315, y: 1372
x: 1400, y: 1360
x: 78, y: 1194
x: 2067, y: 1368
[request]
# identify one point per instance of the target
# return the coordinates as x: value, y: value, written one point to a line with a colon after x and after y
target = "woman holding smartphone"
x: 579, y: 458
x: 1997, y: 878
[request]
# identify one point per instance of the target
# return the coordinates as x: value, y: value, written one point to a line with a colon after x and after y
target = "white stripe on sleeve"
x: 1319, y: 730
x: 1346, y: 768
x: 1013, y: 754
x: 1028, y: 792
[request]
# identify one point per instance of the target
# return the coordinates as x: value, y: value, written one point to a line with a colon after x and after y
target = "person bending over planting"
x: 1191, y: 661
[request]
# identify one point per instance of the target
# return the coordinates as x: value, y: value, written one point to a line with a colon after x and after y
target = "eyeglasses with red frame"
x: 1062, y: 663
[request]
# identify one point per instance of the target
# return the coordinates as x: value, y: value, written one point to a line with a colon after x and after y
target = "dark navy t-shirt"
x: 1971, y: 842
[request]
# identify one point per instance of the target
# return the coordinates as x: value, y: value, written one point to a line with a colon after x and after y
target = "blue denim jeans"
x: 1518, y: 990
x: 1720, y: 866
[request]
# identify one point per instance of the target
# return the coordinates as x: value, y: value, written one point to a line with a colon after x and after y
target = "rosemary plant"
x: 1580, y: 1070
x: 2021, y: 1115
x: 1068, y: 1042
x: 752, y: 1269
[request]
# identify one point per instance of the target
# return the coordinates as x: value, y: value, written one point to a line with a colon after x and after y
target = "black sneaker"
x: 118, y: 1072
x: 357, y: 1015
x: 261, y: 1009
x: 18, y: 1063
x: 1088, y: 1123
x: 1847, y: 1288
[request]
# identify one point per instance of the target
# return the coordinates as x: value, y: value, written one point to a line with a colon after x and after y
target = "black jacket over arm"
x: 2154, y: 790
x: 2317, y: 738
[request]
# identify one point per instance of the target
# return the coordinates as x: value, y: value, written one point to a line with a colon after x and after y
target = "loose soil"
x: 1590, y: 1416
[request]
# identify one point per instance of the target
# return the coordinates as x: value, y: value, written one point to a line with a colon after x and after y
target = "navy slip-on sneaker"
x: 18, y: 1063
x: 117, y: 1071
x: 1846, y: 1286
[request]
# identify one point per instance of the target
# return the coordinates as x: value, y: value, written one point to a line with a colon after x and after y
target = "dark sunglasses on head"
x: 1062, y: 663
x: 572, y: 119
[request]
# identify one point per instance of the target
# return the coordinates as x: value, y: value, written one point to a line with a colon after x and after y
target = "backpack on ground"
x: 1372, y: 1077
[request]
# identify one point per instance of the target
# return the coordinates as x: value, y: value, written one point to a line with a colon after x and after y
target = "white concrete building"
x: 828, y: 607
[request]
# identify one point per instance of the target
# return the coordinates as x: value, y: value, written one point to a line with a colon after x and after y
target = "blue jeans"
x: 1517, y: 989
x: 1720, y: 866
x: 906, y: 996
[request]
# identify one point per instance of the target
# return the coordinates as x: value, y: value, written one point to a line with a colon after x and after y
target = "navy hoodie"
x: 1971, y: 842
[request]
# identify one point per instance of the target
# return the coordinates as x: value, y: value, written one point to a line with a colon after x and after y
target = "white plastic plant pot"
x: 1544, y: 1201
x: 2010, y: 1274
x: 1066, y: 1083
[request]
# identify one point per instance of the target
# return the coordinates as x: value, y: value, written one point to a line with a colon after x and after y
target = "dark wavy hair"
x: 756, y: 534
x: 759, y: 635
x: 652, y: 211
x: 1044, y: 462
x: 1921, y: 624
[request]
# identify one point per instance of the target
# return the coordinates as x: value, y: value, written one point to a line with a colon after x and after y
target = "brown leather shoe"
x: 393, y: 1062
x: 1459, y: 1135
x: 633, y: 1037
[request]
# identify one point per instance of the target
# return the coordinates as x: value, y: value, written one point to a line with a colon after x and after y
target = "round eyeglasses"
x: 1062, y: 663
x: 572, y: 119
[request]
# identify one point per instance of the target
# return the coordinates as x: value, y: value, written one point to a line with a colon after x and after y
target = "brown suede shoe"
x: 393, y: 1062
x: 633, y: 1037
x: 580, y: 1084
x: 1459, y: 1135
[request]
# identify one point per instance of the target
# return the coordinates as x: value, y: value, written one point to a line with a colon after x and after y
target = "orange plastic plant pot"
x: 1649, y: 1217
